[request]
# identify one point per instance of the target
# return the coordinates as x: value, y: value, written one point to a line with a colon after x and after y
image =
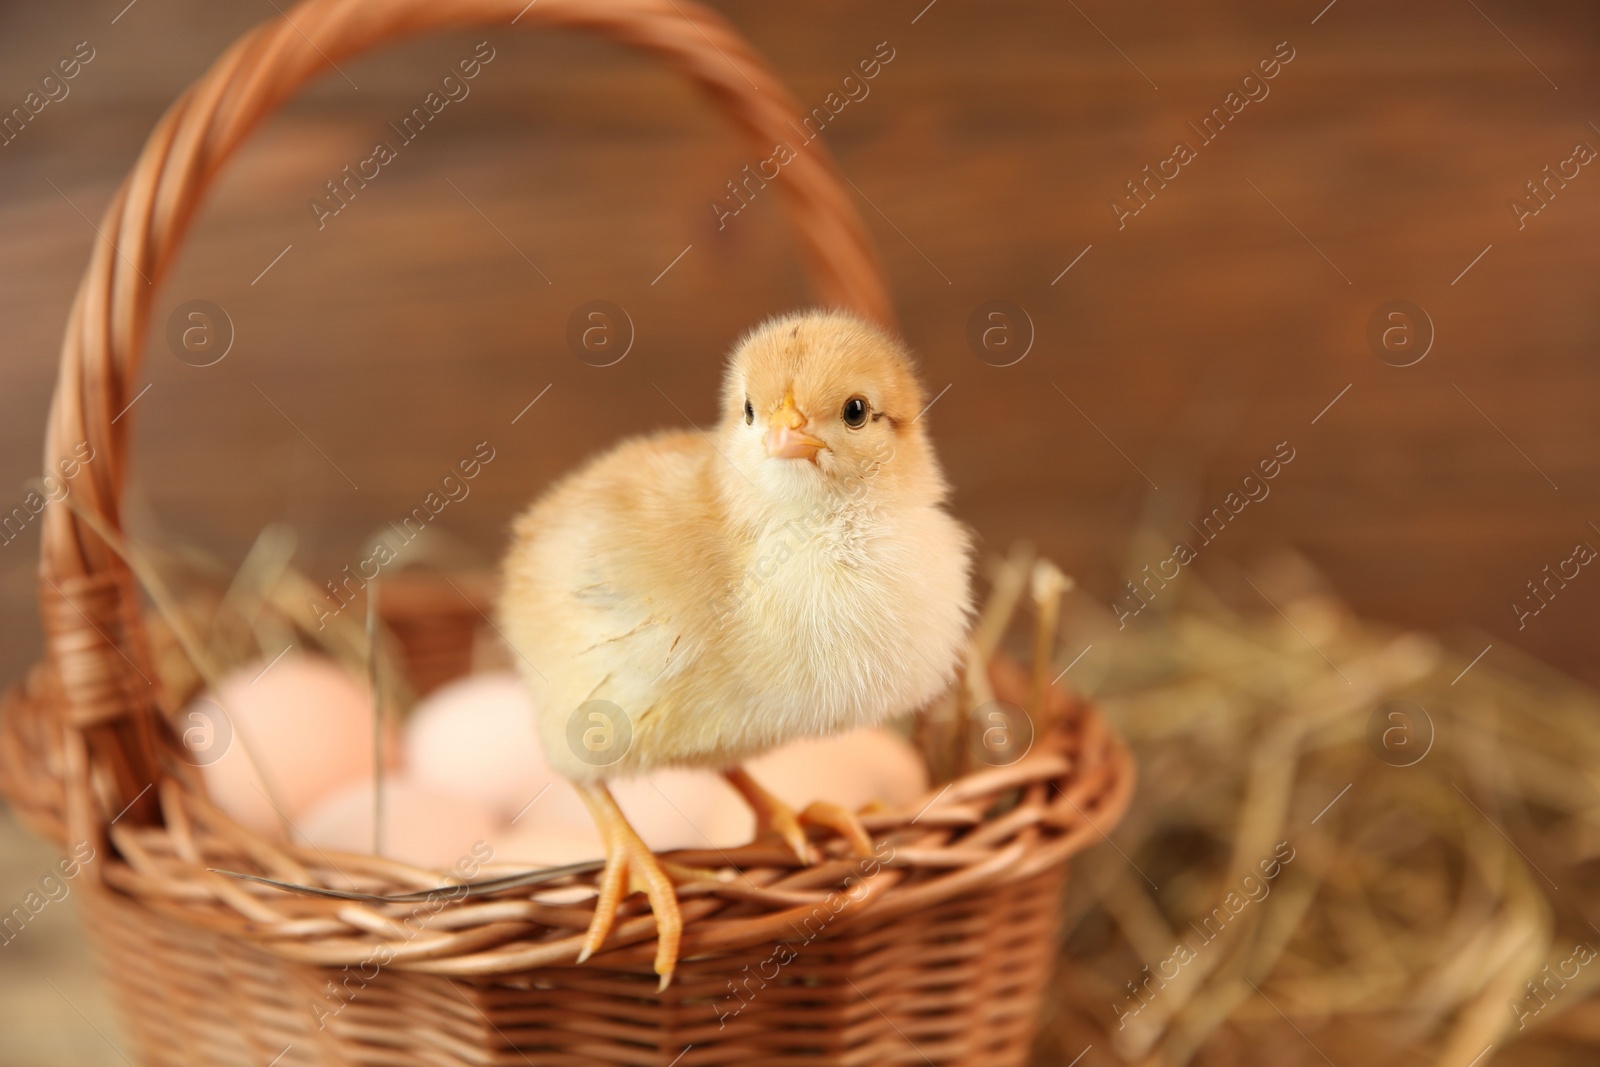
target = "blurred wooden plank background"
x: 1196, y: 338
x: 1223, y: 319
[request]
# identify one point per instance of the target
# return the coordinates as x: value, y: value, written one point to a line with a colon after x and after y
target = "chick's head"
x: 820, y: 402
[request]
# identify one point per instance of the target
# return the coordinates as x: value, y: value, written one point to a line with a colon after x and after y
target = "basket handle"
x: 94, y: 636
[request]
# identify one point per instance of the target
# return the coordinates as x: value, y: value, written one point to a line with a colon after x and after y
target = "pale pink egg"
x: 681, y: 808
x: 851, y: 769
x: 550, y: 845
x: 421, y: 826
x: 277, y: 736
x: 671, y: 808
x: 677, y: 808
x: 475, y: 739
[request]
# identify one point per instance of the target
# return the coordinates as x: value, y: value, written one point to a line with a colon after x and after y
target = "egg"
x: 303, y: 718
x: 680, y: 808
x: 852, y: 769
x: 421, y: 826
x: 544, y: 845
x: 671, y: 809
x: 475, y: 739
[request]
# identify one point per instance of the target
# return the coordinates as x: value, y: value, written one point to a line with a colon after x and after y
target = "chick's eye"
x: 855, y: 412
x: 749, y: 412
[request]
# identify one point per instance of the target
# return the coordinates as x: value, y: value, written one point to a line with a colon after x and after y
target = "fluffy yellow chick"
x: 695, y: 599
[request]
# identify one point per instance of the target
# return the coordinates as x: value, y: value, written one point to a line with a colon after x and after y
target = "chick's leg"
x: 773, y: 815
x: 630, y: 867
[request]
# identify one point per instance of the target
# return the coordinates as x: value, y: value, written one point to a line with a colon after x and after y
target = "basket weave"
x: 937, y: 955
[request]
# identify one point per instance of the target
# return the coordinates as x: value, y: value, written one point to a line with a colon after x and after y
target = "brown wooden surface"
x: 1208, y: 330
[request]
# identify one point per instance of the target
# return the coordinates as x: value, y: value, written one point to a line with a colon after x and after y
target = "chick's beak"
x: 785, y: 438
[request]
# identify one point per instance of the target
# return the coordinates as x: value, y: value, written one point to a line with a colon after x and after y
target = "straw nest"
x: 1348, y: 845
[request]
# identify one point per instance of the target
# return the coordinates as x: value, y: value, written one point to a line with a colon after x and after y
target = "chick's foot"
x: 774, y: 816
x: 631, y: 867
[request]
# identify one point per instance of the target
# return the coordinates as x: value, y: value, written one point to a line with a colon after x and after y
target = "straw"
x: 375, y: 686
x: 1421, y: 899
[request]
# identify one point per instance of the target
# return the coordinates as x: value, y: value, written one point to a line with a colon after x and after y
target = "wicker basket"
x: 937, y: 955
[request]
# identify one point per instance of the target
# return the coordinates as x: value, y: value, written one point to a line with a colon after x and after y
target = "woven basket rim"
x: 957, y: 839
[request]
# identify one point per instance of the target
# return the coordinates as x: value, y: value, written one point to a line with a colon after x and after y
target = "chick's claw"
x: 774, y: 816
x: 630, y: 867
x: 842, y: 821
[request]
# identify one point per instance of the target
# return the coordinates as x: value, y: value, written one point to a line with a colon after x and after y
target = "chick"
x: 695, y: 599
